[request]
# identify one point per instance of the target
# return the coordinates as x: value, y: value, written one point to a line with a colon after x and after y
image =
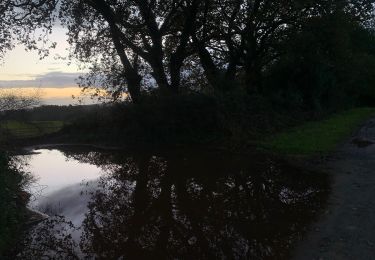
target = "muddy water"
x: 171, y: 204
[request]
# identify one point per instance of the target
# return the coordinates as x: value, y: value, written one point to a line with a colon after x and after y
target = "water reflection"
x: 185, y: 205
x: 54, y: 172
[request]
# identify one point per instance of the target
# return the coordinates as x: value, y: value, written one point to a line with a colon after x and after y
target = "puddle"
x: 172, y: 204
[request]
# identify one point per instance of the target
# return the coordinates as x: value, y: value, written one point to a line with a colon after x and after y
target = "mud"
x: 346, y: 230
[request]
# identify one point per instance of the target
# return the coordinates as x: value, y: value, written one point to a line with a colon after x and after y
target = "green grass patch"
x: 318, y: 136
x: 24, y: 129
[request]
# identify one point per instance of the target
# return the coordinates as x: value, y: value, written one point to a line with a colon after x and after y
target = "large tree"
x: 131, y: 44
x: 27, y: 22
x: 135, y: 45
x: 246, y: 36
x: 5, y: 35
x: 19, y: 22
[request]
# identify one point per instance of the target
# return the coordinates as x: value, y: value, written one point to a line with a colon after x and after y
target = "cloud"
x: 56, y: 79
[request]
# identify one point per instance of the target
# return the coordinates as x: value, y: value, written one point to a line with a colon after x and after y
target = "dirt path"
x: 347, y: 228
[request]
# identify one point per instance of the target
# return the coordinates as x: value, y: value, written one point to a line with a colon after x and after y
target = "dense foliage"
x: 12, y: 203
x: 327, y: 65
x: 239, y: 65
x: 194, y: 71
x: 312, y: 55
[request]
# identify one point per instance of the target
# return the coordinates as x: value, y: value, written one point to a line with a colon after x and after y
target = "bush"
x: 12, y: 206
x: 222, y: 118
x: 169, y: 120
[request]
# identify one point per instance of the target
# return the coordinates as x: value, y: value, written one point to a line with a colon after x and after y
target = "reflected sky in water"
x: 54, y: 171
x: 180, y: 204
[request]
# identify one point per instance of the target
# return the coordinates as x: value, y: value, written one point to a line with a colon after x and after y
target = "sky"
x: 55, y: 78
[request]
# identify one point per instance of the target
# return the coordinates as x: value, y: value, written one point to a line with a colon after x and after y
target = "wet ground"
x: 347, y: 229
x: 180, y: 204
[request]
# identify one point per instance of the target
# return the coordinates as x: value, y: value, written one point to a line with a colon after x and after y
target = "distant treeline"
x: 52, y: 113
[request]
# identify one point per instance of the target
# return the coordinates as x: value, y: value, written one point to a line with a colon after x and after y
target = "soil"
x: 346, y: 229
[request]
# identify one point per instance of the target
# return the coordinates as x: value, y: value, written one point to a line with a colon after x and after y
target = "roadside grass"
x: 318, y: 136
x: 30, y: 129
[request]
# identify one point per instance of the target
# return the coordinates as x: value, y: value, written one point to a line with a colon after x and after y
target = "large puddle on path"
x: 54, y: 171
x: 168, y: 205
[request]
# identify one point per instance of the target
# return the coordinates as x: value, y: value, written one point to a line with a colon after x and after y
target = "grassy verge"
x: 318, y: 136
x: 24, y: 129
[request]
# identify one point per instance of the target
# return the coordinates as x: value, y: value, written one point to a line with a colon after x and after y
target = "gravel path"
x: 346, y: 230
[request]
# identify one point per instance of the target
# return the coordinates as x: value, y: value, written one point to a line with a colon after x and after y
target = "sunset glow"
x: 53, y: 96
x: 54, y: 77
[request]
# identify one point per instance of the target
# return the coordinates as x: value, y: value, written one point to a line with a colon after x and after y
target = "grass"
x: 318, y: 136
x: 31, y: 129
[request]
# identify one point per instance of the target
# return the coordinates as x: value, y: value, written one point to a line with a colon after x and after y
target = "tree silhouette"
x: 133, y: 46
x: 204, y: 205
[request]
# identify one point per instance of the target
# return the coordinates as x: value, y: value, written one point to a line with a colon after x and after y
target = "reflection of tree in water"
x: 197, y: 206
x: 50, y: 240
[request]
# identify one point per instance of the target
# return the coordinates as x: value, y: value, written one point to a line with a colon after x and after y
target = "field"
x: 29, y: 129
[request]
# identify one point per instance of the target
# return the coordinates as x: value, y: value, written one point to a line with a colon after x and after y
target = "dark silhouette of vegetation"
x: 248, y: 64
x: 135, y: 47
x: 326, y: 66
x: 12, y: 202
x: 54, y: 113
x: 184, y: 204
x: 16, y: 100
x: 13, y: 179
x: 186, y: 72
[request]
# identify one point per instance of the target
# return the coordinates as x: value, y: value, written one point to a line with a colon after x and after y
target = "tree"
x: 328, y: 63
x: 5, y: 34
x: 242, y: 35
x: 135, y: 43
x: 27, y: 22
x: 133, y: 46
x: 246, y: 36
x: 131, y: 43
x: 15, y: 100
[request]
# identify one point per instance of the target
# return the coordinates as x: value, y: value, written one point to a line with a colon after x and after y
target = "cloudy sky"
x: 24, y: 70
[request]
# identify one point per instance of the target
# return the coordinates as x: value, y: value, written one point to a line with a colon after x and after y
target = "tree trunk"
x: 212, y: 73
x: 134, y: 87
x: 131, y: 74
x: 253, y: 77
